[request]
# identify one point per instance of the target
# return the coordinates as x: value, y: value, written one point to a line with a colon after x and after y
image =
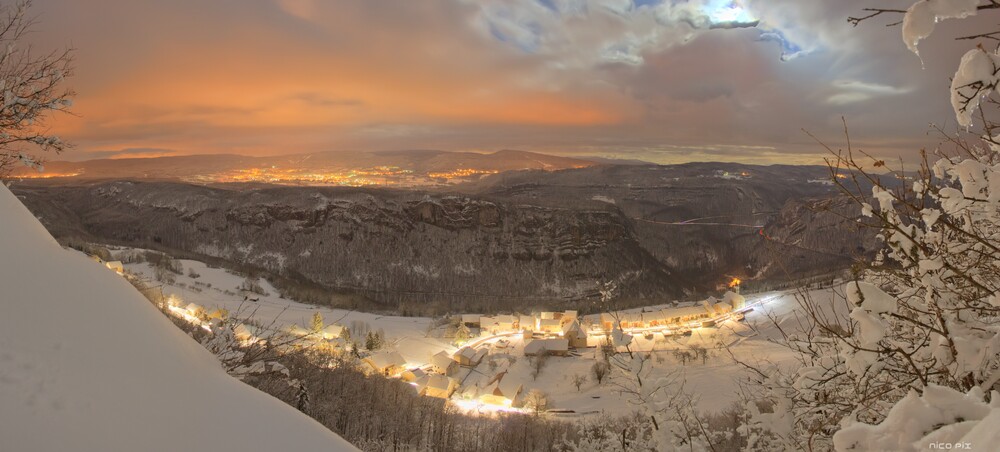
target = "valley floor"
x: 714, y: 381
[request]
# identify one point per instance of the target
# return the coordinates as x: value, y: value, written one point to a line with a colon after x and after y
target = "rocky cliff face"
x: 528, y: 239
x: 389, y: 246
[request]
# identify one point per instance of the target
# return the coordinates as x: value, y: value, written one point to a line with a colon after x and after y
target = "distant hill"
x: 392, y: 168
x: 520, y: 239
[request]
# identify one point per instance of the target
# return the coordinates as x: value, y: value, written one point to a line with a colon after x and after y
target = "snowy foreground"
x: 87, y: 364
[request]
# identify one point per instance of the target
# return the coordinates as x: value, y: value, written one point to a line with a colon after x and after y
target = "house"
x: 471, y: 320
x: 550, y: 326
x: 116, y: 266
x: 575, y: 335
x: 546, y: 347
x: 607, y: 321
x: 686, y: 314
x: 443, y: 363
x: 194, y: 310
x: 631, y: 320
x: 654, y: 318
x: 550, y: 315
x: 412, y: 375
x: 526, y: 322
x: 718, y: 308
x: 386, y: 362
x: 248, y: 333
x: 490, y: 324
x: 737, y: 301
x: 507, y: 322
x: 468, y: 356
x: 439, y: 386
x: 332, y: 331
x: 569, y: 316
x: 480, y: 354
x: 296, y: 331
x: 217, y: 313
x: 502, y: 390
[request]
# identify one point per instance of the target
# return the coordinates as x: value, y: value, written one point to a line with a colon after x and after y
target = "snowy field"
x: 714, y: 382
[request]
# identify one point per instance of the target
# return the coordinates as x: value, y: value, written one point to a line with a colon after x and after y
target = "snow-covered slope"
x: 87, y: 364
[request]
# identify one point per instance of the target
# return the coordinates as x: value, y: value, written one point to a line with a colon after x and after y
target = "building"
x: 471, y: 320
x: 550, y: 326
x: 573, y: 333
x: 442, y: 363
x: 217, y: 314
x: 296, y: 331
x: 559, y: 347
x: 468, y: 356
x: 631, y: 320
x: 607, y: 321
x: 502, y: 390
x: 550, y: 315
x: 489, y: 324
x: 507, y: 322
x: 194, y: 310
x: 737, y: 301
x: 248, y: 333
x: 680, y: 316
x: 717, y: 308
x: 386, y: 362
x: 412, y: 375
x: 527, y: 322
x: 116, y: 266
x: 439, y: 386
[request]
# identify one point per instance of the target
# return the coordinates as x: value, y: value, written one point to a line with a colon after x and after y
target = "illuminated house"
x: 507, y: 322
x: 443, y: 363
x: 686, y: 314
x: 296, y: 331
x: 575, y: 335
x: 386, y: 362
x: 471, y: 320
x: 194, y: 310
x: 526, y: 322
x: 737, y: 301
x: 490, y: 324
x: 116, y: 266
x: 502, y: 390
x: 717, y: 308
x: 550, y: 326
x: 468, y: 356
x: 248, y: 333
x: 412, y: 375
x: 439, y: 386
x: 654, y: 318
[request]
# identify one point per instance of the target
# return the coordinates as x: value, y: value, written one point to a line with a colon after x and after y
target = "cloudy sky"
x: 659, y: 80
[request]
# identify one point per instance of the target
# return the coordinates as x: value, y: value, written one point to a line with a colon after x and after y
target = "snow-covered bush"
x: 914, y: 355
x: 29, y: 91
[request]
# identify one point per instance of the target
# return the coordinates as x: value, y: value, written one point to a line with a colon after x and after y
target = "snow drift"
x: 87, y: 364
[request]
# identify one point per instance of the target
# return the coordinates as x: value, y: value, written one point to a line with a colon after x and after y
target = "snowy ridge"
x: 86, y: 363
